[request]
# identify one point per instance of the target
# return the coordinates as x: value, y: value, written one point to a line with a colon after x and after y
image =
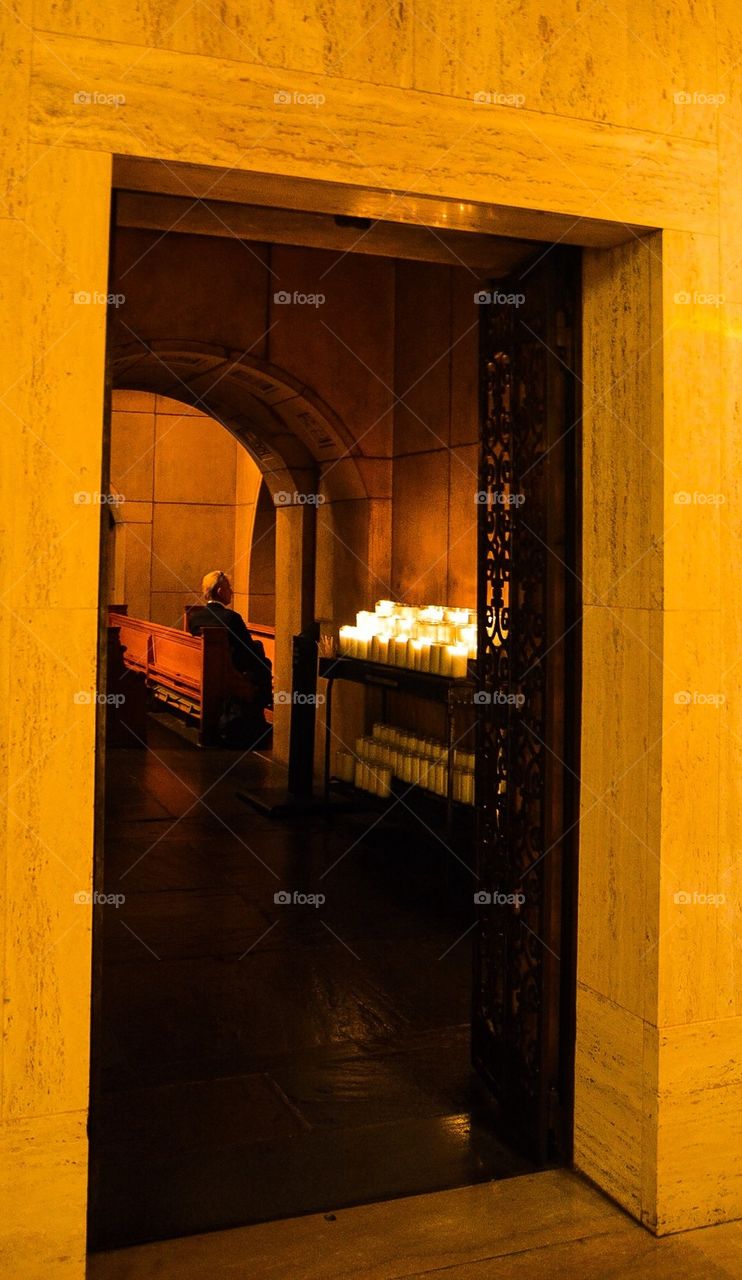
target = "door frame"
x: 403, y: 210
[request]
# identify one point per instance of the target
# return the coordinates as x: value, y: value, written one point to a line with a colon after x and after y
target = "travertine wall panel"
x: 422, y: 326
x: 168, y: 281
x: 463, y: 480
x: 133, y: 451
x: 419, y: 536
x: 44, y: 1162
x: 700, y: 1123
x: 218, y: 113
x: 589, y: 77
x: 189, y: 490
x: 610, y: 1101
x: 619, y: 831
x: 52, y: 389
x: 622, y: 426
x: 344, y: 345
x: 368, y: 42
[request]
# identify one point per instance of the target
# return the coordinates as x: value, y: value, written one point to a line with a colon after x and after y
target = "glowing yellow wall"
x: 600, y: 133
x: 188, y: 490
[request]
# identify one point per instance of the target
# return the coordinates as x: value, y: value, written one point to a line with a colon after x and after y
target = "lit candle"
x: 414, y: 654
x: 382, y: 646
x: 445, y: 659
x: 468, y: 636
x: 399, y: 649
x: 458, y: 659
x: 383, y: 781
x: 344, y: 639
x: 369, y: 623
x: 385, y: 608
x: 457, y: 617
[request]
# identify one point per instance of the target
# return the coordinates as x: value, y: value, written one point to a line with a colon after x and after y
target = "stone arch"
x: 286, y: 427
x: 291, y: 434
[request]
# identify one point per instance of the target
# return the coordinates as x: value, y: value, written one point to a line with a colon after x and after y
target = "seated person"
x: 244, y: 715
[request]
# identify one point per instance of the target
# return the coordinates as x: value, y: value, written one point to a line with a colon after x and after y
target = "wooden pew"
x: 259, y: 631
x: 126, y: 710
x: 193, y: 673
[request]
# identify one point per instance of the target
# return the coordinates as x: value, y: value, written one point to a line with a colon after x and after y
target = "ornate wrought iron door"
x: 522, y: 1029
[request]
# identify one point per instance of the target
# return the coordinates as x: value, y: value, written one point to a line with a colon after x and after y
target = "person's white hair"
x: 210, y: 582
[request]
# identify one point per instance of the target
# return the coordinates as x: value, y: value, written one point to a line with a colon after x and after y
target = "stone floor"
x: 544, y: 1226
x: 259, y: 1060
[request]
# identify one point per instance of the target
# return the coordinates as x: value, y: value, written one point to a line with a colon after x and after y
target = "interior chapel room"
x: 370, y: 614
x: 285, y: 993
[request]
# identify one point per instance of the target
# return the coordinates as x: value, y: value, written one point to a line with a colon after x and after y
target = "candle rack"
x: 452, y: 692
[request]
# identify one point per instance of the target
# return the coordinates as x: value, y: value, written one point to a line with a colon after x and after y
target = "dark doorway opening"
x: 253, y: 1062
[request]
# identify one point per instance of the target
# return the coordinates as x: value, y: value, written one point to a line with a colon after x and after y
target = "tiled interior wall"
x: 189, y: 491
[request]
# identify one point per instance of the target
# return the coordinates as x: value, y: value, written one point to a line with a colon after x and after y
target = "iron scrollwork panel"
x: 515, y: 975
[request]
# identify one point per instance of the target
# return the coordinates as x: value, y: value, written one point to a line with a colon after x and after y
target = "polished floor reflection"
x: 546, y: 1226
x: 261, y: 1058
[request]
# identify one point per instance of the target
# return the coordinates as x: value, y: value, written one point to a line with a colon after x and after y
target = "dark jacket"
x: 248, y: 655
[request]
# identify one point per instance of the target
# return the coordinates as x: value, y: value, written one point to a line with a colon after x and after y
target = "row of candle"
x: 433, y: 638
x: 420, y: 762
x: 440, y: 626
x: 369, y: 775
x: 400, y: 651
x: 384, y: 736
x: 435, y: 748
x: 375, y: 778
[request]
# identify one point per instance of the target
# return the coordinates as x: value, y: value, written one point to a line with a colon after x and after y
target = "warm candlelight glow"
x: 430, y: 638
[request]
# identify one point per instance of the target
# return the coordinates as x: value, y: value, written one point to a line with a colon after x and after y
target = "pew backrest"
x: 258, y: 630
x: 196, y: 669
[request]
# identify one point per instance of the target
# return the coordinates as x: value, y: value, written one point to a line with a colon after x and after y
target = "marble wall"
x: 189, y: 494
x: 623, y: 112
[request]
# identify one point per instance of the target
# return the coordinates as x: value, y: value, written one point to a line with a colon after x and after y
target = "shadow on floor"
x: 260, y: 1058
